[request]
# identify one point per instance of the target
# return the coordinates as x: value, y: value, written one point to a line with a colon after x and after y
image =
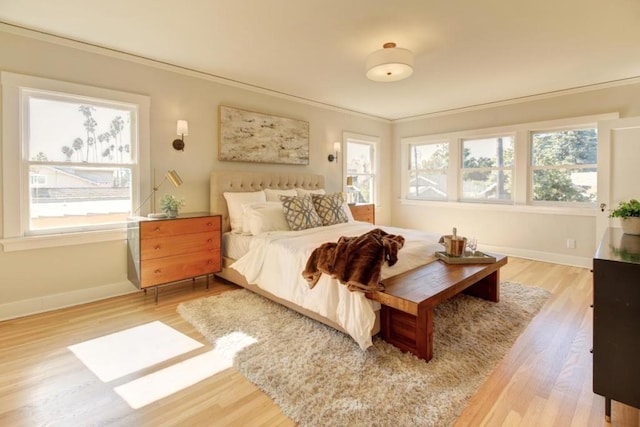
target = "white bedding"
x: 235, y: 245
x: 275, y: 262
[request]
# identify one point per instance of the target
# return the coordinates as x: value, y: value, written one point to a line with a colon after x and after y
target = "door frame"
x: 605, y: 141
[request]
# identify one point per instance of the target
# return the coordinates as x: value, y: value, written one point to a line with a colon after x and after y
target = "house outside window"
x: 428, y: 169
x: 361, y: 165
x: 487, y: 169
x: 564, y: 166
x: 78, y: 155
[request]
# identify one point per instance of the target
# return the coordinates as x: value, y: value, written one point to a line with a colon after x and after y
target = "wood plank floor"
x: 545, y: 380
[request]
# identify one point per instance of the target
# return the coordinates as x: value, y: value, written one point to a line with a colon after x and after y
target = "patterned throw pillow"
x: 330, y: 208
x: 300, y: 212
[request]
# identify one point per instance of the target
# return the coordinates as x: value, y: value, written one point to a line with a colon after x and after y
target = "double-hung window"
x: 71, y: 156
x: 551, y: 166
x: 487, y: 169
x: 428, y: 169
x: 361, y: 164
x: 564, y: 166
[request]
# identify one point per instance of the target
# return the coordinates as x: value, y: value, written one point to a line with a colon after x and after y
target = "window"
x: 548, y: 166
x: 487, y: 173
x: 428, y: 169
x: 361, y: 164
x: 564, y: 165
x: 76, y: 151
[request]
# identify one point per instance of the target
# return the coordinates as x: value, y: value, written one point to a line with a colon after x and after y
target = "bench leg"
x: 487, y: 288
x: 408, y: 332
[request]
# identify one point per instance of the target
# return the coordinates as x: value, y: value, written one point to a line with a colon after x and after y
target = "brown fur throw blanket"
x: 354, y: 261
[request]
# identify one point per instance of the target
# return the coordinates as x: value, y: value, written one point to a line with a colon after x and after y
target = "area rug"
x: 320, y: 377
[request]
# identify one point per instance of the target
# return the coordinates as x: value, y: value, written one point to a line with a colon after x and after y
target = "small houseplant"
x: 170, y: 205
x: 629, y: 214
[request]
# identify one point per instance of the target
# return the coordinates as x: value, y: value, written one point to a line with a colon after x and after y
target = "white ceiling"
x: 468, y: 52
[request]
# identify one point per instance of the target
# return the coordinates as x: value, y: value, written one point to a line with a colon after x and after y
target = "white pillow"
x: 263, y: 217
x: 302, y: 191
x: 235, y: 202
x: 274, y: 195
x: 347, y: 211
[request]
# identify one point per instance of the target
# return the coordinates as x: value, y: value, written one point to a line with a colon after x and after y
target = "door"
x: 618, y: 168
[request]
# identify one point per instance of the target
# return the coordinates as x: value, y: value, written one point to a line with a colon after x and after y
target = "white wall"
x: 526, y: 234
x: 37, y: 280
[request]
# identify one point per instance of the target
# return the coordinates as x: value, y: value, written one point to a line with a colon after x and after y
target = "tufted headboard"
x: 254, y: 181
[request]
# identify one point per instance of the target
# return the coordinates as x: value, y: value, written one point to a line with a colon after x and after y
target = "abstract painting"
x: 247, y: 136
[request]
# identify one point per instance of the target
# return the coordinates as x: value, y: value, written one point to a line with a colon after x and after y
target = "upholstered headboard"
x: 254, y: 181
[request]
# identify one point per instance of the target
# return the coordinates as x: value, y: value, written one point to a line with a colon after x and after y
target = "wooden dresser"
x: 364, y: 212
x: 167, y: 250
x: 616, y: 319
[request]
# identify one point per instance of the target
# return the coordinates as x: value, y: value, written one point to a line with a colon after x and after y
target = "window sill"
x: 544, y: 210
x: 57, y: 240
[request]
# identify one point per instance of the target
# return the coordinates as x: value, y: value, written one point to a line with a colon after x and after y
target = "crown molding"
x: 522, y: 99
x: 66, y: 41
x: 114, y: 53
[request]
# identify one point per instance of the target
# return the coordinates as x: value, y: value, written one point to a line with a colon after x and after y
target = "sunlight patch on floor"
x: 163, y: 383
x: 116, y: 355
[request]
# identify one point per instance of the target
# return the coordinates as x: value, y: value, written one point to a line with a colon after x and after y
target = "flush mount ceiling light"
x: 390, y: 64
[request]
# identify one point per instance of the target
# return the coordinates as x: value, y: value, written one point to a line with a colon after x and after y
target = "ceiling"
x: 467, y: 52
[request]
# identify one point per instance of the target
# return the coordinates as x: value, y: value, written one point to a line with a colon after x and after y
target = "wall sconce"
x: 334, y: 157
x: 174, y: 178
x: 182, y: 130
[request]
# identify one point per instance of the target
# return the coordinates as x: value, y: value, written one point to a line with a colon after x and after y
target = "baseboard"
x: 44, y: 303
x: 573, y: 261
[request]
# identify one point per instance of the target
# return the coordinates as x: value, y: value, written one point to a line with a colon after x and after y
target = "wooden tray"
x: 476, y: 257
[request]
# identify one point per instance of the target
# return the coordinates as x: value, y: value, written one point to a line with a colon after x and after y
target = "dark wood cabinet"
x: 616, y: 319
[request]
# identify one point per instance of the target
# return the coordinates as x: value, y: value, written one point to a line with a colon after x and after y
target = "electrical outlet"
x: 571, y: 243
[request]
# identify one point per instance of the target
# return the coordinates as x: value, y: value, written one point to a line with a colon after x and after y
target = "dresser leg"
x: 607, y: 409
x: 207, y: 282
x: 155, y: 288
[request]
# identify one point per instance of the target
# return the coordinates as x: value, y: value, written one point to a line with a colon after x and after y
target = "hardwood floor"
x: 545, y: 380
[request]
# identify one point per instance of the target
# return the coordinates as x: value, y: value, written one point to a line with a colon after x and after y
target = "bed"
x: 270, y: 263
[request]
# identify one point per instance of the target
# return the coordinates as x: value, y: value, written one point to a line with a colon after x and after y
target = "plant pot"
x: 631, y: 225
x: 172, y: 213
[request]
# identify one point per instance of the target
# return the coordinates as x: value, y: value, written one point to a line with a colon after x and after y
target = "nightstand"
x: 161, y: 251
x: 364, y: 212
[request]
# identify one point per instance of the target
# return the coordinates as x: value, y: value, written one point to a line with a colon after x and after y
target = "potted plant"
x: 629, y: 214
x: 170, y: 205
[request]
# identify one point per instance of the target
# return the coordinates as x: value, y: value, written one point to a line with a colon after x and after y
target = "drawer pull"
x: 157, y: 229
x: 209, y: 224
x: 210, y: 261
x: 209, y: 240
x: 157, y: 248
x: 158, y: 271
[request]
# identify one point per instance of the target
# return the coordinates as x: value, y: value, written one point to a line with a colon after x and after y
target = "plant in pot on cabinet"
x: 170, y: 205
x: 629, y: 214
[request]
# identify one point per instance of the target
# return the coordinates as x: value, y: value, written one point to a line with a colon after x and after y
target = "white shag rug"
x: 320, y: 377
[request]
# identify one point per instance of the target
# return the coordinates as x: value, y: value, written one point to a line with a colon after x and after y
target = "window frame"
x: 374, y: 141
x: 15, y: 88
x: 462, y: 169
x: 532, y: 168
x: 408, y: 147
x: 521, y: 166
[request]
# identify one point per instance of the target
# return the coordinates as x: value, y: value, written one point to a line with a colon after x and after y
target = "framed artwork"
x: 247, y: 136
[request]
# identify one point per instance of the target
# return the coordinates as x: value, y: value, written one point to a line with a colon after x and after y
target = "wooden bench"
x: 408, y: 299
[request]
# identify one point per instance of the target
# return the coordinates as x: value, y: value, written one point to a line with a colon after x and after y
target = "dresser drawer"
x: 173, y: 268
x: 178, y: 226
x: 178, y: 245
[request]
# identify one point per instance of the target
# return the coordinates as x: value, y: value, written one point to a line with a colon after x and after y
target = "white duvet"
x: 275, y: 262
